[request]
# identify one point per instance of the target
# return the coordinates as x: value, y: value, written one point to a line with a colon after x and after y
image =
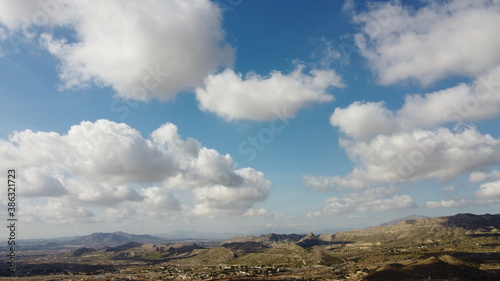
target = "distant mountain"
x: 101, y: 239
x: 396, y: 221
x: 422, y: 230
x: 267, y: 239
x: 179, y: 235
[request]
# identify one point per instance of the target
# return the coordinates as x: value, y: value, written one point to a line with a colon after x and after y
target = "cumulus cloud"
x: 40, y: 182
x: 476, y: 101
x: 482, y: 176
x: 107, y: 164
x: 57, y: 212
x: 363, y: 120
x: 430, y: 42
x: 489, y: 192
x: 258, y: 98
x: 220, y: 199
x: 372, y: 199
x: 447, y: 203
x: 440, y: 154
x: 409, y: 145
x: 157, y: 203
x: 336, y: 205
x: 162, y: 47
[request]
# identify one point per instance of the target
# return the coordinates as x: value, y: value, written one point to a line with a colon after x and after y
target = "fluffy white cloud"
x: 481, y: 176
x: 83, y: 191
x: 363, y: 120
x: 40, y: 182
x: 446, y: 203
x: 489, y: 192
x: 220, y: 199
x: 428, y: 43
x: 104, y: 163
x: 408, y: 144
x: 162, y: 47
x: 440, y: 154
x: 254, y: 97
x: 476, y: 101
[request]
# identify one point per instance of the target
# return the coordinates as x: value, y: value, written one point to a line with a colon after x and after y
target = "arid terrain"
x: 460, y: 247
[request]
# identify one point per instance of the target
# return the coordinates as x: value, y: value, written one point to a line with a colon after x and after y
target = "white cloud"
x: 489, y: 192
x: 314, y: 214
x: 447, y: 203
x: 481, y: 176
x: 40, y: 182
x: 369, y: 195
x: 441, y: 154
x: 372, y: 199
x: 83, y: 191
x: 325, y: 183
x: 396, y: 202
x: 363, y: 120
x: 258, y: 213
x: 407, y: 144
x: 108, y: 164
x: 456, y: 37
x: 57, y: 212
x: 258, y: 98
x: 336, y: 205
x: 115, y: 153
x: 162, y: 47
x: 326, y: 54
x: 476, y: 101
x: 479, y: 100
x: 219, y: 199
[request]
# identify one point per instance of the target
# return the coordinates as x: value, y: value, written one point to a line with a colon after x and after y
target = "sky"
x: 247, y: 117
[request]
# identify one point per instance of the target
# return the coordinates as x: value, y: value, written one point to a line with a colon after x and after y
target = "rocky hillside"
x: 422, y: 230
x: 443, y: 267
x: 267, y: 239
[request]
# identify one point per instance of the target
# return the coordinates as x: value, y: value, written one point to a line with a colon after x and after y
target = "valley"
x: 460, y: 247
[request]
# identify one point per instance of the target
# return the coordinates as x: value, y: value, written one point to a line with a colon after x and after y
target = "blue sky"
x: 248, y: 116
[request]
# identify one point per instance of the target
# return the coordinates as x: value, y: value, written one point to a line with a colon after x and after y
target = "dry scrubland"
x: 460, y: 247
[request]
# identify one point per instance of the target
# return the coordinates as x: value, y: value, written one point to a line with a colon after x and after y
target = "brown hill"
x: 422, y: 230
x: 267, y: 239
x: 432, y: 268
x: 310, y: 240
